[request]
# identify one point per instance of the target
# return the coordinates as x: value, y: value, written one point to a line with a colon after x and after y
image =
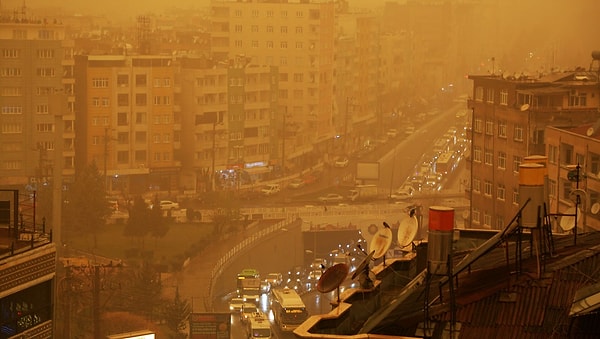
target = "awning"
x: 257, y: 170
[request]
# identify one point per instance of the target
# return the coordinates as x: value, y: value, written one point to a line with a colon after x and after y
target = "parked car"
x: 271, y: 189
x: 402, y: 194
x: 166, y: 205
x: 341, y: 162
x: 296, y: 183
x: 392, y: 132
x: 331, y: 197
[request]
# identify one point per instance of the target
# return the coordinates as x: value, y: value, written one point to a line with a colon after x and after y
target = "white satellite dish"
x: 567, y: 222
x: 590, y: 132
x: 524, y: 107
x: 595, y: 208
x: 381, y: 242
x: 407, y: 231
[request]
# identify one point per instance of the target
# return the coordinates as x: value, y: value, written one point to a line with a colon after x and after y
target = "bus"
x: 246, y: 273
x: 288, y: 308
x: 445, y: 163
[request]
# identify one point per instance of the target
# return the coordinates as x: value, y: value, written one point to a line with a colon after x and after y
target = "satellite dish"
x: 524, y: 107
x: 595, y: 208
x: 363, y: 264
x: 332, y: 278
x: 407, y: 231
x: 590, y: 132
x: 567, y: 222
x: 381, y: 242
x: 577, y: 193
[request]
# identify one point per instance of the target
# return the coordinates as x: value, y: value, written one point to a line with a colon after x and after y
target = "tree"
x: 139, y: 217
x: 88, y: 206
x: 176, y: 313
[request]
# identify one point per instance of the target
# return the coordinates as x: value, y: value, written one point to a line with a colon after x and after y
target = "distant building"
x: 509, y: 117
x: 37, y: 100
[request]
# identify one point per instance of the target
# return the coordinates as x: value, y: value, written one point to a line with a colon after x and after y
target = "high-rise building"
x: 298, y: 38
x: 129, y: 124
x: 509, y: 117
x: 37, y: 101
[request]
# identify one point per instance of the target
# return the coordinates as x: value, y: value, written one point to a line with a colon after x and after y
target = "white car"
x: 296, y: 183
x: 331, y: 197
x: 235, y: 304
x: 402, y: 193
x: 166, y: 205
x: 392, y: 132
x: 341, y: 162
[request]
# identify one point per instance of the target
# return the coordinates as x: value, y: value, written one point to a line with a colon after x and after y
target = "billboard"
x: 367, y: 170
x: 210, y: 326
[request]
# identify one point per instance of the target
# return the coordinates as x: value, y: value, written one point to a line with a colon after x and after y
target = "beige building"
x: 568, y: 147
x: 509, y: 117
x: 228, y: 129
x: 36, y: 101
x: 298, y: 38
x: 128, y: 122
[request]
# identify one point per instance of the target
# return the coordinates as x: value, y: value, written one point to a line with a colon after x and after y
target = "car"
x: 310, y: 179
x: 167, y: 205
x: 402, y: 194
x: 274, y: 279
x: 331, y: 197
x: 271, y: 189
x: 248, y: 310
x: 296, y: 183
x: 235, y: 304
x: 392, y: 132
x: 341, y: 162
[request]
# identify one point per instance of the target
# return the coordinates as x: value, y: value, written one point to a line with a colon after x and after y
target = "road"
x: 283, y: 250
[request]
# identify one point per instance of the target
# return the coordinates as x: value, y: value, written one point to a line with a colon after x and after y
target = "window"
x: 516, y: 163
x: 501, y: 192
x: 255, y: 13
x: 299, y: 14
x: 502, y: 129
x: 552, y: 188
x: 122, y: 80
x: 19, y: 34
x: 123, y: 99
x: 96, y: 101
x: 299, y: 29
x: 140, y: 156
x: 12, y: 128
x: 47, y: 127
x: 487, y: 188
x: 140, y: 117
x: 577, y: 99
x: 478, y: 127
x: 41, y: 109
x: 476, y: 216
x: 566, y: 187
x: 500, y: 222
x: 476, y: 185
x: 479, y: 93
x: 594, y: 164
x: 477, y: 154
x: 518, y: 133
x: 238, y: 28
x: 122, y: 157
x: 238, y: 43
x: 489, y: 127
x: 487, y: 219
x: 254, y: 28
x: 10, y: 72
x: 12, y: 109
x: 45, y: 53
x: 140, y: 80
x: 269, y: 29
x: 299, y: 44
x: 238, y: 13
x: 515, y: 197
x: 16, y: 91
x: 44, y: 34
x: 489, y: 96
x: 10, y: 53
x: 156, y: 138
x: 489, y: 157
x: 284, y: 14
x: 254, y: 44
x: 552, y: 151
x: 284, y: 29
x: 501, y: 160
x: 566, y: 154
x: 123, y: 138
x: 283, y: 44
x: 298, y: 77
x: 269, y: 44
x: 45, y: 72
x: 122, y: 119
x: 100, y: 82
x: 504, y: 97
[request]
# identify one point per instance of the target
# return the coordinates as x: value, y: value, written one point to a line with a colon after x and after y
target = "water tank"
x: 531, y: 186
x: 440, y: 237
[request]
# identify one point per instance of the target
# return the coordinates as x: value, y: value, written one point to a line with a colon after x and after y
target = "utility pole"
x: 105, y: 158
x: 283, y: 146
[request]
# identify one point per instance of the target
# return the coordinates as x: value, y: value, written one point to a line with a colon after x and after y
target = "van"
x: 259, y: 327
x: 271, y: 189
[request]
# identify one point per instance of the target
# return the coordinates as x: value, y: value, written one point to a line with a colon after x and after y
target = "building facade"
x: 37, y: 101
x: 509, y: 116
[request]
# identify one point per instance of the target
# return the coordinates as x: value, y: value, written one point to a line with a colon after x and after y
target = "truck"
x: 251, y: 290
x: 363, y: 192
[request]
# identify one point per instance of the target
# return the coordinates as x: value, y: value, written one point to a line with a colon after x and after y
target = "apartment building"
x: 298, y: 38
x: 229, y: 132
x: 568, y: 147
x: 509, y: 117
x: 128, y: 121
x: 37, y: 116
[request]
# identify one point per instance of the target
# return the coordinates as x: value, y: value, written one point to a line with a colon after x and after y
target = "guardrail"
x: 239, y: 248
